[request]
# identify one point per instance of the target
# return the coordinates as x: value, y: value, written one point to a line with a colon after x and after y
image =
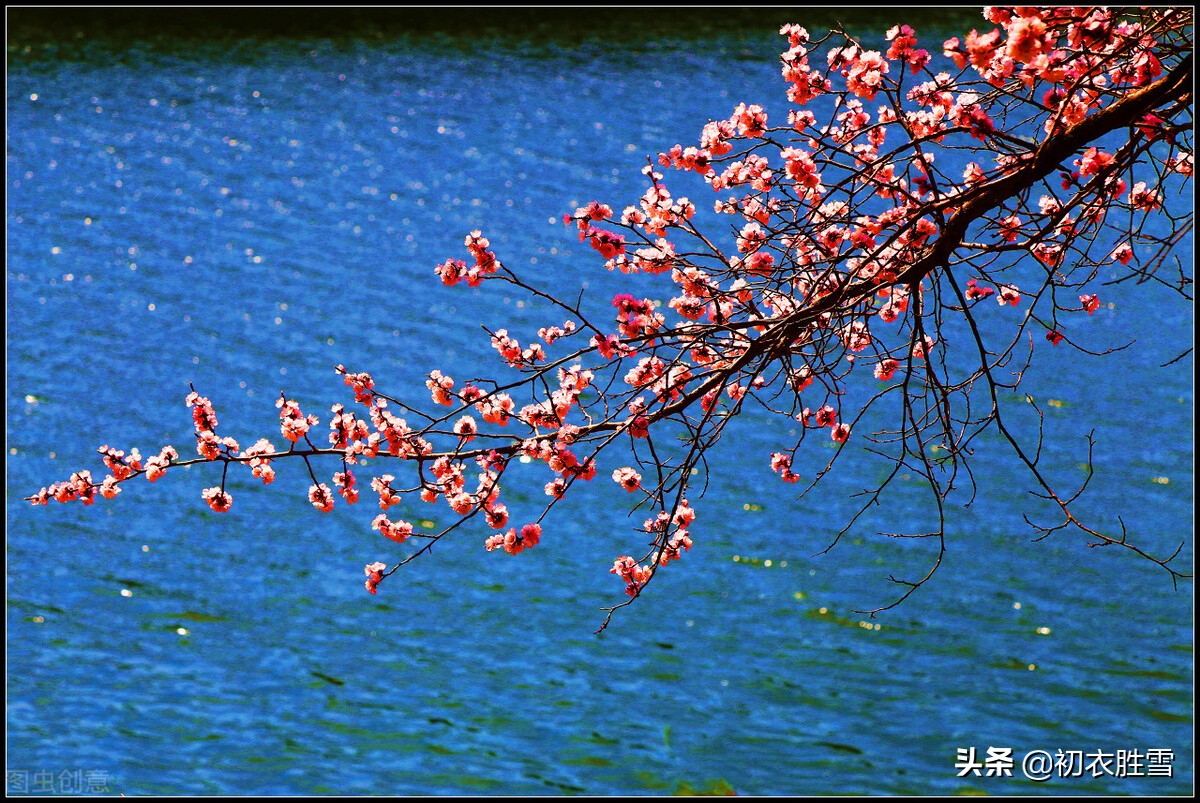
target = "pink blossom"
x: 451, y: 272
x: 974, y: 119
x: 512, y: 542
x: 552, y: 333
x: 886, y: 369
x: 531, y: 535
x: 374, y: 572
x: 361, y: 383
x: 681, y: 158
x: 684, y: 514
x: 202, y: 412
x: 208, y: 444
x: 1123, y: 253
x: 1010, y: 228
x: 485, y: 261
x: 903, y: 38
x: 800, y: 120
x: 801, y: 378
x: 607, y: 345
x: 544, y: 415
x: 753, y: 170
x: 801, y: 168
x: 321, y: 497
x: 1140, y: 197
x: 157, y: 466
x: 217, y: 499
x: 496, y: 516
x: 676, y: 545
x: 65, y: 491
x: 796, y: 34
x: 975, y: 290
x: 608, y: 243
x: 864, y: 75
x: 121, y: 467
x: 750, y: 120
x: 109, y: 488
x: 1093, y: 161
x: 440, y: 386
x: 1026, y: 38
x: 856, y: 336
x: 921, y: 348
x: 688, y: 307
x: 293, y: 424
x: 973, y: 174
x: 466, y: 428
x: 535, y: 353
x: 716, y: 135
x: 496, y: 409
x: 627, y: 478
x: 760, y: 263
x: 508, y: 347
x: 639, y: 426
x: 826, y: 416
x: 1009, y: 294
x: 635, y: 576
x: 346, y: 428
x: 345, y: 483
x: 461, y: 503
x: 398, y: 531
x: 382, y: 486
x: 981, y: 49
x: 1182, y: 164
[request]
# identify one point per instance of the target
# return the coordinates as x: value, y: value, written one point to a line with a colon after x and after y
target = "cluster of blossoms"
x: 374, y: 572
x: 321, y: 497
x: 293, y: 424
x: 452, y: 271
x: 347, y: 485
x: 78, y: 488
x: 671, y: 531
x: 510, y: 349
x: 825, y: 416
x: 397, y: 531
x: 346, y: 428
x: 157, y: 466
x: 513, y: 542
x: 609, y: 243
x: 635, y: 576
x: 362, y: 384
x: 552, y: 333
x: 122, y: 467
x: 781, y: 464
x: 260, y: 466
x: 207, y: 443
x: 627, y: 478
x: 217, y: 499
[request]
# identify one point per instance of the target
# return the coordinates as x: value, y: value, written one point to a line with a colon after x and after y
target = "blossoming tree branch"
x: 855, y: 264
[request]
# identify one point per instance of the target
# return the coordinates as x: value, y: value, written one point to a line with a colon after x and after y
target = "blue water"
x: 243, y: 219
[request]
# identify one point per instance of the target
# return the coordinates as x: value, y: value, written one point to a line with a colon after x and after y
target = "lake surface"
x: 245, y: 216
